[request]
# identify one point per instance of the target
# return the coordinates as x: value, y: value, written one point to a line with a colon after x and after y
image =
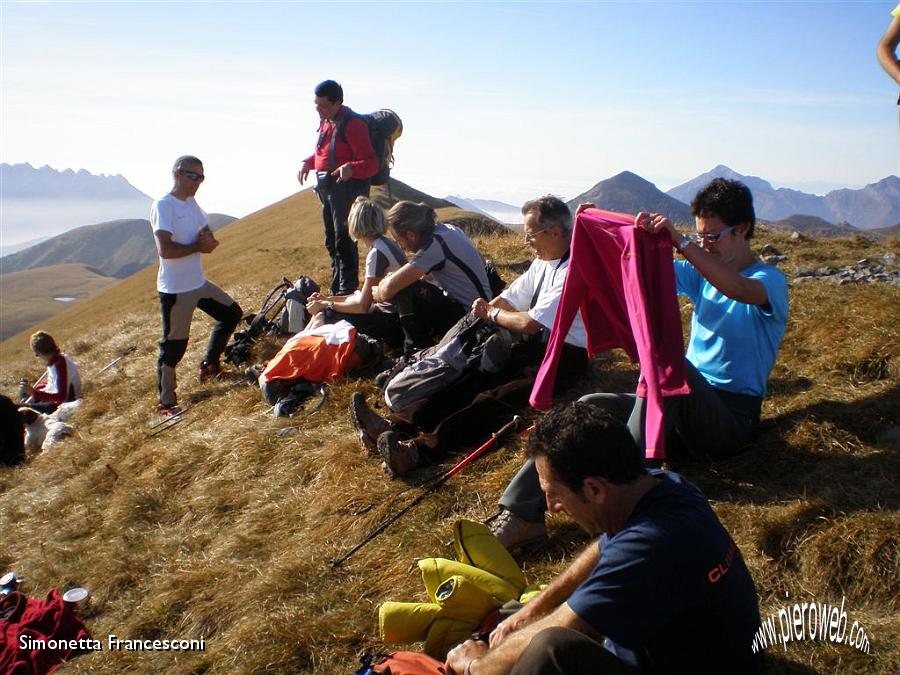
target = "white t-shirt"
x: 183, y: 219
x: 549, y: 275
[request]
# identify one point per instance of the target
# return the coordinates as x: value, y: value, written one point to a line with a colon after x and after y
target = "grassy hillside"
x: 222, y: 529
x: 26, y: 298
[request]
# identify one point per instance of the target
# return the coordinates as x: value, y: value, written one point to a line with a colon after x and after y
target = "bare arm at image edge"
x: 887, y: 49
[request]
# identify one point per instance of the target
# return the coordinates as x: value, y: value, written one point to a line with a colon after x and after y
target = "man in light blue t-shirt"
x: 738, y: 322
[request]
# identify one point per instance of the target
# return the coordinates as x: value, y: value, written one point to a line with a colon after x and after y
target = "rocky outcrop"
x: 865, y: 271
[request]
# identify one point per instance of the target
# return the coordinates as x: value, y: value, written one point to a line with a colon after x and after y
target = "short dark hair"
x: 185, y: 159
x: 330, y: 90
x: 551, y: 212
x: 406, y: 215
x: 729, y: 200
x: 580, y: 441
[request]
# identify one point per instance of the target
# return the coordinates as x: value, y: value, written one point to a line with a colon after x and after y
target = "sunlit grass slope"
x: 221, y: 529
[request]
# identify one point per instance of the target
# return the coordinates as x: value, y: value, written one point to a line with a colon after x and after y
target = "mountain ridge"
x: 876, y: 205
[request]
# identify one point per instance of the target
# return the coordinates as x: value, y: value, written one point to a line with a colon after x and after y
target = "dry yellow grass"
x: 220, y: 529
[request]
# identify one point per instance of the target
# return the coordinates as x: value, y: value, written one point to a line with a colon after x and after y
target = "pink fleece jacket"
x: 622, y: 280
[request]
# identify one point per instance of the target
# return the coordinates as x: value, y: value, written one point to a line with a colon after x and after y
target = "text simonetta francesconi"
x: 114, y: 644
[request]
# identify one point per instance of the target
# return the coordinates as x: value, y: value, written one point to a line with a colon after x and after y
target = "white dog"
x: 44, y: 431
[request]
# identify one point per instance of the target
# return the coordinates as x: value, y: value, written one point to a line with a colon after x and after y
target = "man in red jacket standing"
x: 344, y: 161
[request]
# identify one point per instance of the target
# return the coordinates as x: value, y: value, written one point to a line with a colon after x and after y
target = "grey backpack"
x: 471, y: 345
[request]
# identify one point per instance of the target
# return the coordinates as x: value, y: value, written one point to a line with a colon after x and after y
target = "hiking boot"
x: 512, y: 530
x: 398, y: 457
x: 369, y: 424
x: 169, y: 410
x: 209, y: 371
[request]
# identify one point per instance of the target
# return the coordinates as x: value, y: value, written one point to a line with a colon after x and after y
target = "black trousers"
x: 337, y: 198
x: 426, y: 314
x: 562, y: 651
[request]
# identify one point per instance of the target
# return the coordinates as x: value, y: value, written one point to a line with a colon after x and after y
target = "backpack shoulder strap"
x: 540, y: 283
x: 449, y: 255
x: 341, y: 131
x: 537, y: 289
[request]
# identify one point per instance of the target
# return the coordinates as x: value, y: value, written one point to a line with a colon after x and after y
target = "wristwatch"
x: 683, y: 244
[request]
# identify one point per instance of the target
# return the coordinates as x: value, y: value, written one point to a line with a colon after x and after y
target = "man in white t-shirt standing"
x: 181, y: 231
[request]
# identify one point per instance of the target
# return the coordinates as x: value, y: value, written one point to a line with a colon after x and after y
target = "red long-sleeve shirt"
x: 356, y: 150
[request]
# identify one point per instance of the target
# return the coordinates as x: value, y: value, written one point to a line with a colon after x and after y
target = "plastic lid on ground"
x: 76, y: 595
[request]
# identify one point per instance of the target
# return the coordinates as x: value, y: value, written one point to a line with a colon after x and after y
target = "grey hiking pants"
x: 708, y: 423
x: 177, y: 311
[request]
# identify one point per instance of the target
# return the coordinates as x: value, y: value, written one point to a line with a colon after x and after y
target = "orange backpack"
x: 401, y: 663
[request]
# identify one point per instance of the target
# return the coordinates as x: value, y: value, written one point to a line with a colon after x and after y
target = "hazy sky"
x: 500, y: 100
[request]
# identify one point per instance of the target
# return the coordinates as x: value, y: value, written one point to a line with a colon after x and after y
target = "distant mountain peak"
x: 630, y: 176
x: 874, y: 206
x: 40, y: 203
x: 628, y: 192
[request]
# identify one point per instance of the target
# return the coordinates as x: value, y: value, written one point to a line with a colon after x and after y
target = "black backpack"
x: 385, y: 127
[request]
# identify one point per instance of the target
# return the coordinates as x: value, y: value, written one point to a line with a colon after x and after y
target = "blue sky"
x: 499, y: 100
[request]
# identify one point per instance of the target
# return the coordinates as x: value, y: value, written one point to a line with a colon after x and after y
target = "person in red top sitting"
x: 344, y: 161
x: 61, y: 382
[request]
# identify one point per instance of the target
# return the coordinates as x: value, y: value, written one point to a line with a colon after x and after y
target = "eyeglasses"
x: 193, y: 175
x: 711, y: 237
x: 531, y: 236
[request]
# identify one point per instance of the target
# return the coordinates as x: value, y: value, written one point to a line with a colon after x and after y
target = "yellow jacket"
x: 462, y: 592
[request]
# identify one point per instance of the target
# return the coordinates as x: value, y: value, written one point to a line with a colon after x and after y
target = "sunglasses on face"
x: 532, y: 236
x: 193, y: 175
x: 712, y: 237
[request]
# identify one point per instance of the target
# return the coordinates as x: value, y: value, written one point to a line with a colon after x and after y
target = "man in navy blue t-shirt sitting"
x: 665, y: 590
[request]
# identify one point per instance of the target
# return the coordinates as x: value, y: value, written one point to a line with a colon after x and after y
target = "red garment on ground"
x: 356, y: 149
x: 409, y: 663
x: 622, y: 279
x: 48, y: 619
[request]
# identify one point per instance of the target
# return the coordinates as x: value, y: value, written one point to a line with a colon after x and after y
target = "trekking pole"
x: 115, y: 361
x: 178, y: 415
x: 440, y: 480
